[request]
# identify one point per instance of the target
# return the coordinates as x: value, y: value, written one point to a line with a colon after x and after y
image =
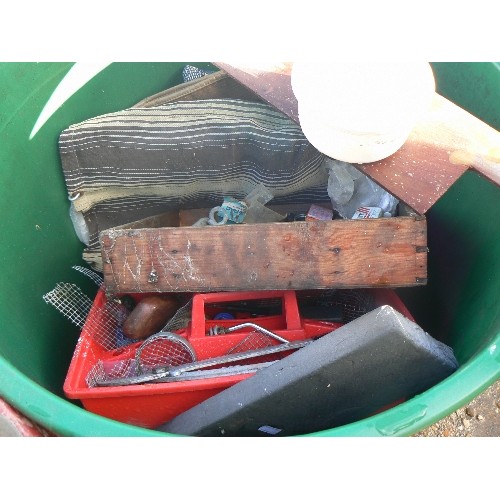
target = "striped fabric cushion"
x: 124, y: 166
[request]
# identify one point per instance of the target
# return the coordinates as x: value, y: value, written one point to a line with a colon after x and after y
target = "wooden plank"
x: 441, y: 147
x: 270, y: 82
x: 386, y: 252
x: 179, y: 218
x: 166, y: 219
x: 93, y: 257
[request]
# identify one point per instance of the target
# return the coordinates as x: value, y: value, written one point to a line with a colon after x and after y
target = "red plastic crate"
x: 149, y: 405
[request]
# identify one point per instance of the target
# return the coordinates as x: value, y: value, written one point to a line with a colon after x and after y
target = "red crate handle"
x: 290, y: 306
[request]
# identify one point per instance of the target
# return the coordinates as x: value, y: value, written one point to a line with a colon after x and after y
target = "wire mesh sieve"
x: 180, y: 319
x: 69, y: 300
x: 105, y: 325
x: 110, y: 370
x: 96, y: 278
x: 254, y: 340
x: 163, y: 348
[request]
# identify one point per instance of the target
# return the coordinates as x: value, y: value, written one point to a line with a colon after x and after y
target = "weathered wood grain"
x: 271, y: 83
x: 388, y: 252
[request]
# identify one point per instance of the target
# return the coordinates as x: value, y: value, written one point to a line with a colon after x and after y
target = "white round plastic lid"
x: 348, y: 146
x: 364, y: 97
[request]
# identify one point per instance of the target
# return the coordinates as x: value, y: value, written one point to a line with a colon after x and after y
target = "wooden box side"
x: 387, y: 252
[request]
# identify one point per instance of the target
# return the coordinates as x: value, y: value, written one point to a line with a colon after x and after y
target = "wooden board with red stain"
x: 441, y: 147
x: 387, y: 252
x: 272, y: 83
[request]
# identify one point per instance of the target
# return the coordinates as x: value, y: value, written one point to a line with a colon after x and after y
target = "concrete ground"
x: 479, y: 418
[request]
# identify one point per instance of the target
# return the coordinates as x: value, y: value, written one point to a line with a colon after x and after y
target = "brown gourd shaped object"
x: 149, y: 316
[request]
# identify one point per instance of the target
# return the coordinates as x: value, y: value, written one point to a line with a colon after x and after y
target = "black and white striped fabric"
x: 142, y: 161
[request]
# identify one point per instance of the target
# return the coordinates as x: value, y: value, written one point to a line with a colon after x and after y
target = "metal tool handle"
x: 174, y: 371
x: 217, y: 330
x: 224, y: 371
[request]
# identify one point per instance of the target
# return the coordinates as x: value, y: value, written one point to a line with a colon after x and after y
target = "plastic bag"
x: 350, y: 189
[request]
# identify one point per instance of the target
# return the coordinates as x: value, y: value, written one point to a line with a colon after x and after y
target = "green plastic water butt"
x: 459, y: 306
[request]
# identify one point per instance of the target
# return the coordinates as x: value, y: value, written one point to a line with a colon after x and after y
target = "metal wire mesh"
x: 69, y: 300
x: 163, y: 349
x: 255, y: 340
x: 180, y: 319
x: 96, y: 278
x: 105, y: 325
x: 105, y: 370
